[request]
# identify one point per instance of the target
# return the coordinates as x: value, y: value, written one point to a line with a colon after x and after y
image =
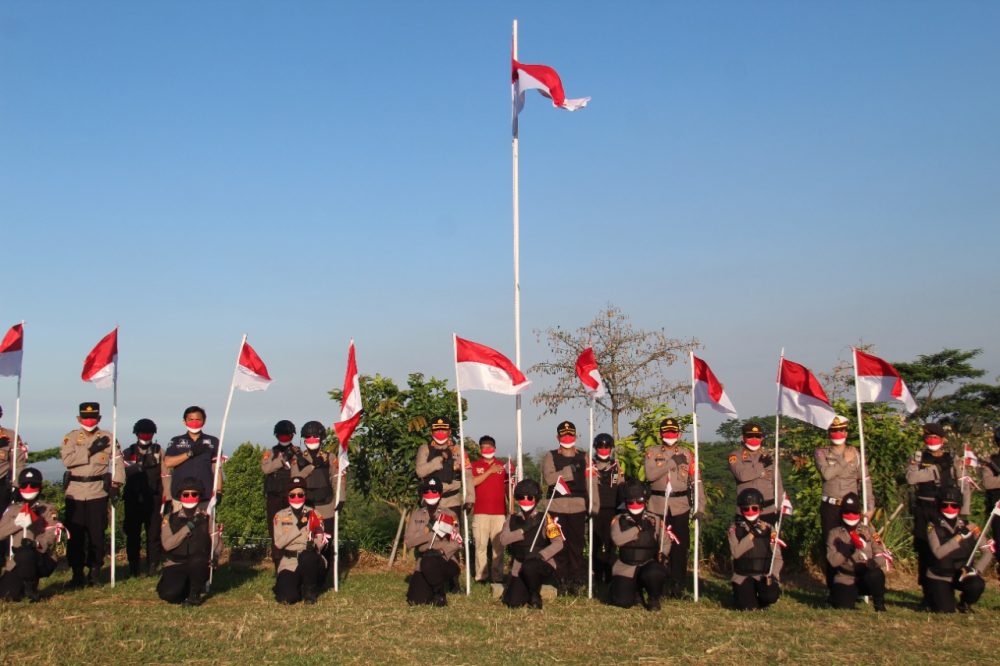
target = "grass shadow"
x: 234, y: 576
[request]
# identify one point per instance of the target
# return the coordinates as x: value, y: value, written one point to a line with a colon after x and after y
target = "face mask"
x: 603, y: 454
x: 635, y: 508
x: 90, y: 425
x: 145, y: 440
x: 933, y: 443
x: 284, y: 439
x: 670, y: 440
x: 838, y: 438
x: 312, y: 446
x: 28, y: 495
x: 432, y: 501
x: 297, y: 503
x: 526, y: 505
x: 851, y: 522
x: 752, y: 444
x: 567, y: 442
x: 189, y: 503
x: 194, y: 426
x: 751, y: 516
x: 440, y: 436
x: 950, y: 512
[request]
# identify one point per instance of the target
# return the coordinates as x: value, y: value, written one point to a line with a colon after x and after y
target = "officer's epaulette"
x: 746, y: 455
x: 649, y: 454
x: 732, y: 458
x: 267, y: 455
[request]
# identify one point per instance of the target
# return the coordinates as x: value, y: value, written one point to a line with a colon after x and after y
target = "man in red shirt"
x: 490, y: 479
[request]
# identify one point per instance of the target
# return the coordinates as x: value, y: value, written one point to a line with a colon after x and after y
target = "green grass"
x: 369, y: 621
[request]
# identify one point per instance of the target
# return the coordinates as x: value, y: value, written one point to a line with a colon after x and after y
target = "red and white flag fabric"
x: 971, y: 459
x: 480, y: 368
x: 12, y: 351
x: 560, y: 487
x: 709, y: 391
x: 99, y: 366
x: 251, y: 373
x: 587, y: 371
x: 350, y: 407
x: 878, y: 381
x: 786, y: 506
x: 800, y: 396
x: 545, y: 80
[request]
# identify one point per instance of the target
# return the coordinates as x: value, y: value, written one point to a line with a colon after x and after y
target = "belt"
x: 450, y: 493
x: 663, y: 493
x: 290, y: 553
x: 831, y: 500
x: 86, y: 479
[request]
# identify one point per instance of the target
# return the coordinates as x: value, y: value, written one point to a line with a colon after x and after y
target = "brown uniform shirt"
x: 991, y: 480
x: 672, y: 465
x: 840, y: 468
x: 7, y: 454
x: 292, y: 535
x: 170, y: 539
x: 740, y: 547
x: 311, y: 457
x: 77, y: 459
x: 623, y: 536
x: 920, y: 471
x: 451, y: 493
x: 41, y: 531
x: 557, y: 463
x: 844, y: 555
x: 750, y: 472
x: 556, y: 542
x: 420, y: 532
x: 943, y: 549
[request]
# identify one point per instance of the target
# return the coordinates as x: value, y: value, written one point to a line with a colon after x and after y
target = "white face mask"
x: 950, y: 513
x: 194, y: 431
x: 752, y: 447
x: 28, y: 496
x: 852, y: 522
x: 297, y: 503
x: 752, y: 518
x: 90, y: 428
x: 189, y: 504
x: 934, y: 447
x: 489, y: 456
x: 636, y: 512
x: 526, y: 506
x: 432, y: 501
x: 670, y: 441
x: 838, y: 441
x: 312, y: 447
x: 567, y: 445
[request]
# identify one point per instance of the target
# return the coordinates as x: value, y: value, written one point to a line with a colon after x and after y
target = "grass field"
x: 369, y: 621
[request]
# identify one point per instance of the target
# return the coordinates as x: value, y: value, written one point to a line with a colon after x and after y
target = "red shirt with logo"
x: 492, y: 491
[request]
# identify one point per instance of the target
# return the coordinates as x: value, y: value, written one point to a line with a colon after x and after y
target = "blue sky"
x: 756, y: 175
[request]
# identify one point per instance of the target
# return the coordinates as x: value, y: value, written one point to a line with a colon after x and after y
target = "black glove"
x: 218, y: 499
x: 320, y: 461
x: 199, y: 448
x: 680, y: 459
x: 4, y: 441
x: 99, y: 444
x: 300, y: 460
x: 993, y: 466
x: 432, y: 552
x: 761, y: 528
x: 467, y: 507
x: 699, y: 515
x: 28, y: 543
x: 197, y: 520
x: 113, y: 491
x: 340, y: 506
x: 766, y: 459
x: 532, y: 556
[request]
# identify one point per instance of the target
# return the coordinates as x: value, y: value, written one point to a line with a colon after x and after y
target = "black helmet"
x: 430, y: 484
x: 635, y: 492
x: 750, y: 497
x: 851, y: 503
x: 527, y: 488
x: 284, y: 427
x: 604, y: 441
x: 191, y: 483
x: 145, y: 426
x: 313, y: 429
x: 29, y: 476
x: 949, y: 494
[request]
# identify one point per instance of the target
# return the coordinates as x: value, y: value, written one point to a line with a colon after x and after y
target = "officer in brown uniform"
x: 840, y: 467
x: 433, y: 535
x: 609, y: 482
x: 86, y: 453
x: 951, y: 541
x: 300, y: 538
x: 8, y: 453
x: 319, y: 469
x: 930, y: 471
x: 857, y: 556
x: 276, y: 464
x: 142, y: 493
x: 641, y: 552
x: 442, y: 458
x: 753, y: 543
x: 571, y: 510
x: 530, y: 565
x: 34, y: 529
x: 991, y: 484
x: 671, y: 468
x: 187, y: 547
x: 753, y: 467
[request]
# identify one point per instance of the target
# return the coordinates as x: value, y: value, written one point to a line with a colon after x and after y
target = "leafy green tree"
x: 932, y: 373
x: 242, y: 513
x: 43, y: 454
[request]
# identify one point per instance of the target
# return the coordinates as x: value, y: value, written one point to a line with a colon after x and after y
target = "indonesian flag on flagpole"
x: 878, y: 381
x: 560, y: 487
x: 12, y: 351
x: 478, y: 367
x: 586, y: 370
x: 708, y: 390
x: 251, y: 373
x: 350, y: 406
x: 786, y: 506
x: 971, y: 459
x: 99, y: 366
x: 545, y: 80
x: 800, y: 396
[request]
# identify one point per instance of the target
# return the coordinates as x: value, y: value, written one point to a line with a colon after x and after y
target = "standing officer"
x: 991, y: 484
x: 8, y: 452
x: 320, y: 469
x: 609, y: 483
x: 193, y: 455
x: 570, y: 510
x: 857, y: 556
x: 442, y: 458
x: 86, y: 453
x: 432, y: 533
x: 840, y: 467
x: 670, y: 467
x: 951, y: 541
x: 187, y: 547
x: 300, y: 538
x: 490, y: 478
x: 641, y: 550
x: 276, y: 464
x: 754, y: 468
x: 32, y: 525
x: 930, y: 471
x: 752, y: 542
x: 530, y: 566
x: 143, y: 490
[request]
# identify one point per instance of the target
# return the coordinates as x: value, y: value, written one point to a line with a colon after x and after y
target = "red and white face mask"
x: 90, y: 425
x: 950, y: 512
x: 431, y: 499
x: 297, y: 502
x: 752, y: 443
x: 284, y: 439
x: 851, y: 519
x: 526, y: 505
x: 144, y: 438
x: 751, y: 514
x: 838, y: 437
x: 194, y: 425
x: 635, y: 508
x: 189, y: 499
x: 670, y: 438
x: 933, y: 442
x: 488, y: 452
x: 603, y: 454
x: 29, y: 493
x: 567, y: 441
x: 312, y: 443
x: 441, y: 436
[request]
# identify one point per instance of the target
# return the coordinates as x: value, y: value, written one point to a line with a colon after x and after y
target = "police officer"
x: 752, y: 543
x: 609, y: 484
x: 858, y: 557
x: 8, y: 453
x: 530, y: 566
x: 34, y: 529
x: 320, y: 469
x: 142, y: 494
x: 641, y: 552
x: 86, y: 453
x: 276, y: 464
x: 930, y: 471
x: 951, y: 541
x: 300, y: 538
x: 839, y: 466
x: 570, y: 510
x: 192, y: 455
x: 187, y: 547
x: 752, y: 467
x: 991, y: 484
x: 670, y: 468
x: 442, y: 458
x: 432, y: 533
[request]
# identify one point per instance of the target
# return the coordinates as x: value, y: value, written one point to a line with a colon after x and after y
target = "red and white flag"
x: 350, y: 407
x: 251, y: 373
x: 800, y: 396
x: 478, y: 367
x: 708, y: 390
x: 545, y: 80
x: 786, y: 506
x: 560, y: 487
x: 586, y: 370
x: 12, y: 351
x: 444, y: 526
x: 99, y: 366
x: 971, y: 459
x: 878, y: 381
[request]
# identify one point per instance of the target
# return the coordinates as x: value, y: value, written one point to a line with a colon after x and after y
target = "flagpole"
x: 517, y: 273
x: 15, y: 447
x: 114, y: 456
x: 461, y: 445
x: 336, y: 526
x: 861, y: 435
x: 777, y: 426
x: 590, y: 537
x: 552, y: 496
x: 218, y: 463
x: 697, y: 478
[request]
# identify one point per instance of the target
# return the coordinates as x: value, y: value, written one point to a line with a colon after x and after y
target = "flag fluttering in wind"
x: 971, y: 459
x: 587, y: 371
x: 99, y: 366
x: 12, y: 351
x: 545, y: 80
x: 800, y: 396
x: 478, y: 367
x: 350, y: 406
x: 709, y: 391
x: 878, y: 381
x: 560, y: 487
x: 786, y: 505
x: 251, y: 373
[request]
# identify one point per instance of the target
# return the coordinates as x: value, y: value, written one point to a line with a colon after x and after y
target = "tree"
x: 243, y: 512
x: 632, y: 364
x: 932, y: 372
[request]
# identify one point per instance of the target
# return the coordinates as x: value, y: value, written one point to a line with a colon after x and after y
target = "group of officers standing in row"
x: 641, y: 530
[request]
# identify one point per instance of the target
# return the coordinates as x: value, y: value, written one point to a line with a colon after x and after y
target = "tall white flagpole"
x: 861, y: 435
x: 777, y: 428
x: 461, y: 445
x: 15, y: 445
x: 517, y: 270
x: 114, y: 457
x: 697, y: 479
x: 336, y: 525
x: 591, y: 517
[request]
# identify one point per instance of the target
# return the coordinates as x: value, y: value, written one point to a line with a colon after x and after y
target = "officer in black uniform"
x: 752, y: 541
x: 530, y: 566
x: 187, y: 547
x: 193, y: 455
x: 277, y: 467
x: 641, y: 552
x: 610, y: 480
x: 143, y: 491
x: 951, y: 541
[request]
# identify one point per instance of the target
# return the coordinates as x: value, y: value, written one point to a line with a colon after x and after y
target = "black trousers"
x: 142, y: 513
x: 183, y: 581
x: 431, y: 579
x: 29, y: 567
x: 649, y: 578
x: 940, y: 594
x: 527, y: 583
x: 274, y: 504
x: 604, y: 547
x: 868, y: 581
x: 754, y: 594
x: 86, y: 521
x: 677, y: 563
x: 571, y: 565
x: 291, y: 587
x: 923, y: 513
x: 829, y: 518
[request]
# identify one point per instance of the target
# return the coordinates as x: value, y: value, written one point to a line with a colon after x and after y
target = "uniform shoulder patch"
x: 732, y: 459
x: 930, y: 528
x: 166, y: 519
x: 267, y: 455
x: 649, y: 454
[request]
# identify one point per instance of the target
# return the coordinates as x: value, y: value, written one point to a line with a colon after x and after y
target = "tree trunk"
x: 615, y: 412
x: 395, y: 541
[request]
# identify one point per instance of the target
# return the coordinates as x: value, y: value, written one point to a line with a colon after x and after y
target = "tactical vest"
x: 757, y: 560
x: 530, y: 525
x: 643, y: 548
x: 276, y: 483
x: 578, y: 463
x: 608, y: 492
x: 447, y: 472
x: 319, y: 489
x: 993, y: 496
x: 951, y: 564
x: 945, y: 474
x: 148, y: 481
x: 197, y: 544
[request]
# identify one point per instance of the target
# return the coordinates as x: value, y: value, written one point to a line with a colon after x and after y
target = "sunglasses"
x: 30, y: 488
x: 525, y: 497
x: 950, y: 505
x: 752, y: 507
x: 190, y: 493
x: 295, y: 495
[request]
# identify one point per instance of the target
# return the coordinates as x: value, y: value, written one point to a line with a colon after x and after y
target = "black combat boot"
x: 309, y: 594
x: 77, y: 581
x: 94, y: 577
x: 31, y: 591
x: 879, y: 604
x: 535, y: 600
x: 653, y: 603
x: 133, y: 568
